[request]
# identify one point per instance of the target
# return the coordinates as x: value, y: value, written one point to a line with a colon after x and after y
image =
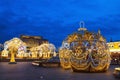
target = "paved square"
x: 25, y: 71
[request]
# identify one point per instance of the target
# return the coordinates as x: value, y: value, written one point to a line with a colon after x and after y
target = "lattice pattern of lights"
x: 12, y: 46
x: 44, y: 51
x: 85, y: 51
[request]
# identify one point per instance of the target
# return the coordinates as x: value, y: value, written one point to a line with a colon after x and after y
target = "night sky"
x: 55, y: 19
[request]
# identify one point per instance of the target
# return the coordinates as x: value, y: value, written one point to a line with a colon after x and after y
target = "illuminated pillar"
x: 12, y: 59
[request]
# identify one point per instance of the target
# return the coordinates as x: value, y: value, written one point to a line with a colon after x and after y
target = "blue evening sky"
x: 55, y: 19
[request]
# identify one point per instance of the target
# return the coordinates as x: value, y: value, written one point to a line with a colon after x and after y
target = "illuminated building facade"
x: 33, y: 41
x: 114, y: 48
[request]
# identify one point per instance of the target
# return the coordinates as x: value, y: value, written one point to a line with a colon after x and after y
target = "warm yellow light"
x: 89, y: 52
x: 12, y: 59
x: 12, y: 46
x: 45, y: 51
x: 118, y: 69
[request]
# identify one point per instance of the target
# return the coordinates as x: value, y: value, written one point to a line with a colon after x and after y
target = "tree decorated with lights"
x: 90, y: 52
x: 12, y: 46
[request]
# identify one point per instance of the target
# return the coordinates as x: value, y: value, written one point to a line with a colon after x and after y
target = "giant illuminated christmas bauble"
x: 64, y: 55
x: 90, y: 52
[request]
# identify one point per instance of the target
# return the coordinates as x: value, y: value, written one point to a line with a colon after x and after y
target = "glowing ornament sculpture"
x: 12, y: 46
x: 64, y: 54
x: 47, y: 50
x: 90, y: 52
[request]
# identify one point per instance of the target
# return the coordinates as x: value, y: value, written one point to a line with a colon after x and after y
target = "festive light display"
x: 44, y: 51
x: 12, y: 47
x: 64, y: 54
x: 17, y: 47
x: 4, y: 53
x: 22, y: 53
x: 85, y: 51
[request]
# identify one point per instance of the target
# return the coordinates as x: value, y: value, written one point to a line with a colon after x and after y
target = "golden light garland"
x: 44, y: 51
x: 85, y: 51
x: 64, y: 55
x: 11, y: 47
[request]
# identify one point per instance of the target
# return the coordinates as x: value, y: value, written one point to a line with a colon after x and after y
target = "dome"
x: 44, y: 51
x: 85, y: 51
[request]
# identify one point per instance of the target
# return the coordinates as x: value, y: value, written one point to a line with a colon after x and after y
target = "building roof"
x: 28, y: 36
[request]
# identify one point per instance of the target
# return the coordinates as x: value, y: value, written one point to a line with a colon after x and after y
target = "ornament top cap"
x: 82, y: 27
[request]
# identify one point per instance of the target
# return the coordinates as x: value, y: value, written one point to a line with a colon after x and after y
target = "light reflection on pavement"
x: 25, y: 71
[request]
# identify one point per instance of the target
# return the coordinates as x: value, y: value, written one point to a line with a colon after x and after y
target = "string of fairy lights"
x: 85, y: 51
